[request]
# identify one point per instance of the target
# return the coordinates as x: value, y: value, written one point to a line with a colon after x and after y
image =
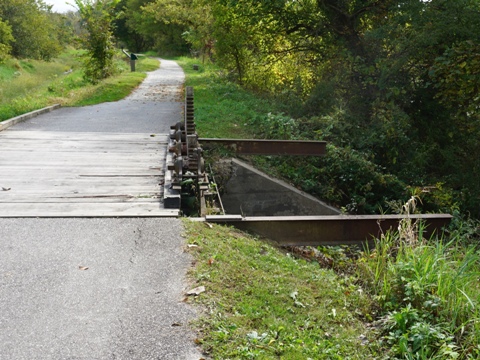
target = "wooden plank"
x: 58, y: 150
x: 34, y: 146
x: 82, y: 174
x: 104, y: 159
x: 89, y: 163
x: 50, y: 135
x: 87, y: 182
x: 96, y: 142
x: 63, y: 191
x: 83, y: 184
x: 55, y: 173
x: 85, y: 171
x: 71, y: 151
x: 85, y: 210
x: 93, y: 136
x: 57, y: 198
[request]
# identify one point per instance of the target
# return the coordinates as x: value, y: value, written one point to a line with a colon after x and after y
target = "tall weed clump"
x: 428, y: 292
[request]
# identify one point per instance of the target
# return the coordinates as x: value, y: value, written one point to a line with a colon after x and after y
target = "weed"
x: 427, y: 290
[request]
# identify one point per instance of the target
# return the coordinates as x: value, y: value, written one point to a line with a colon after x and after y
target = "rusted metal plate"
x: 327, y: 230
x: 268, y: 147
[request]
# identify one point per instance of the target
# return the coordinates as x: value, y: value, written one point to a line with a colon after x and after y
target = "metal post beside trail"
x: 132, y: 58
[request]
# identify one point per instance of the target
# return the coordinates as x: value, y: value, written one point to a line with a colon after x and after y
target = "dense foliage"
x: 29, y: 29
x: 394, y: 82
x: 147, y: 24
x: 97, y: 39
x: 6, y: 39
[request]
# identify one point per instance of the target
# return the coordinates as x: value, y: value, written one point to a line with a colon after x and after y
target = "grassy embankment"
x: 408, y: 298
x: 27, y: 85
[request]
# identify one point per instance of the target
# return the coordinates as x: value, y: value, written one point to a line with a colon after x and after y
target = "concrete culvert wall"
x: 249, y: 192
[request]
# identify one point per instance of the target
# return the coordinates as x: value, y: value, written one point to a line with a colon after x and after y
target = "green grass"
x: 116, y: 87
x: 428, y: 293
x: 262, y: 303
x: 408, y: 298
x: 222, y: 108
x: 28, y: 85
x: 111, y: 89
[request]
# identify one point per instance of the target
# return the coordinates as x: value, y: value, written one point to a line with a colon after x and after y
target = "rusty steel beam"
x: 327, y: 230
x: 269, y: 147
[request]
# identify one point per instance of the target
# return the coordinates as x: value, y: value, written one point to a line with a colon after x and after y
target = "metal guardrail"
x: 268, y: 147
x: 329, y: 229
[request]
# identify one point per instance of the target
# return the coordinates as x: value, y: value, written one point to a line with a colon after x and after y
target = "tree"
x: 6, y: 39
x: 34, y: 33
x: 65, y: 27
x: 128, y: 26
x: 97, y: 17
x: 172, y: 27
x: 160, y: 22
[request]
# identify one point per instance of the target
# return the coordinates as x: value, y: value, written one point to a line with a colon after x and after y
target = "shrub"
x: 428, y: 293
x: 5, y: 39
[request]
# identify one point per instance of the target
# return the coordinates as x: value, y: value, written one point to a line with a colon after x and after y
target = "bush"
x: 5, y: 39
x: 428, y: 293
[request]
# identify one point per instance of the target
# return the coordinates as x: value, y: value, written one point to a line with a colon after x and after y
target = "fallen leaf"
x: 298, y: 303
x: 255, y: 336
x: 6, y: 189
x: 176, y: 324
x: 363, y: 339
x: 197, y: 291
x: 211, y: 261
x: 83, y: 268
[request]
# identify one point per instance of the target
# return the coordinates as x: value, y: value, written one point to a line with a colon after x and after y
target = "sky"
x: 61, y: 6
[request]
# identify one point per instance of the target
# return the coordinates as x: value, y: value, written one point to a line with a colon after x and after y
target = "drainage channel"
x: 254, y: 202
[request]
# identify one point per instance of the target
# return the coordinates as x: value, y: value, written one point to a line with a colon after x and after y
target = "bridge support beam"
x: 327, y: 230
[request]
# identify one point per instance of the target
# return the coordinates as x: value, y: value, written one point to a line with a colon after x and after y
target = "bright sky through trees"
x: 61, y: 6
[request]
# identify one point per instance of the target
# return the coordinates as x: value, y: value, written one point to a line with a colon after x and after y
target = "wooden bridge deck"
x: 72, y: 174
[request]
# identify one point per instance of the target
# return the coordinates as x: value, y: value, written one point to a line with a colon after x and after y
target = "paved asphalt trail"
x: 91, y: 288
